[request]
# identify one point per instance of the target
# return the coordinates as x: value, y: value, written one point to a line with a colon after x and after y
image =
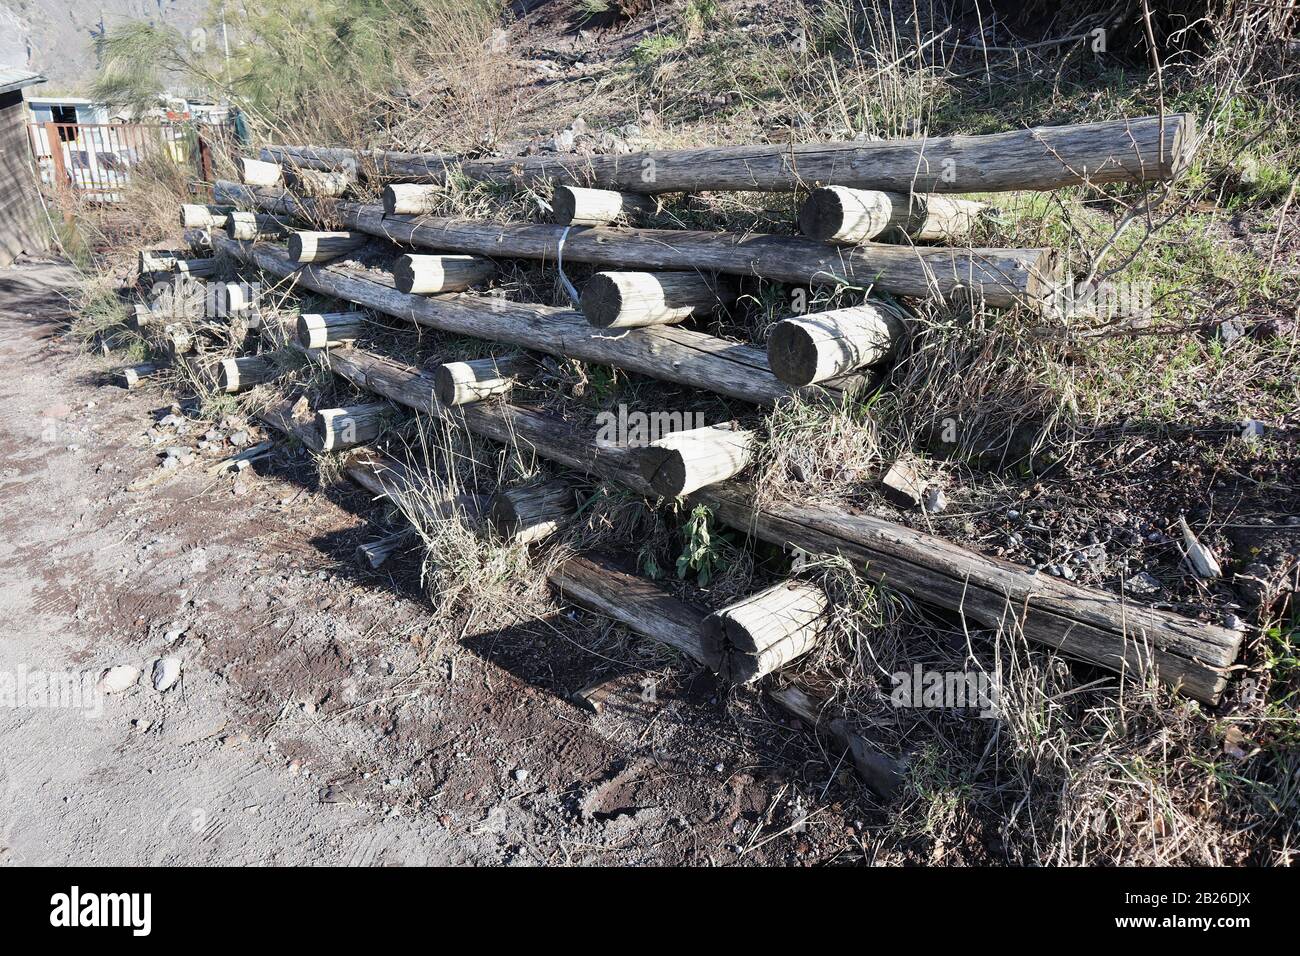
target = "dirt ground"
x: 315, y: 721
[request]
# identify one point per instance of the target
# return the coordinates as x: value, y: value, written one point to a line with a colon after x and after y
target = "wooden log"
x: 1096, y: 626
x: 765, y: 631
x: 142, y: 316
x: 826, y: 345
x: 842, y: 215
x: 625, y: 300
x: 318, y: 330
x: 199, y: 268
x: 598, y: 584
x: 195, y: 216
x: 685, y: 461
x: 411, y: 199
x: 351, y: 425
x: 238, y: 374
x: 670, y: 353
x: 1132, y: 150
x: 424, y: 275
x: 374, y: 553
x: 998, y: 277
x: 132, y: 376
x: 460, y: 383
x: 256, y: 172
x: 252, y: 227
x: 882, y: 774
x: 230, y: 298
x: 315, y: 182
x: 529, y: 513
x: 200, y: 240
x: 576, y: 206
x: 157, y: 260
x: 323, y: 246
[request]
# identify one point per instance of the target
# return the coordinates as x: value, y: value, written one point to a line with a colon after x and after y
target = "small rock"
x: 903, y: 484
x: 520, y: 774
x: 166, y: 672
x: 1142, y: 583
x: 934, y: 501
x: 174, y: 634
x: 119, y: 678
x: 1252, y: 430
x: 240, y: 438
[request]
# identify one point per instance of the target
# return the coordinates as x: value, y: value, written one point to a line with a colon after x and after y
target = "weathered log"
x: 131, y: 376
x: 322, y: 246
x: 765, y: 631
x: 839, y: 214
x: 1096, y: 626
x: 826, y: 345
x: 882, y: 774
x: 665, y: 352
x: 599, y: 584
x: 252, y: 227
x: 625, y: 300
x: 529, y: 513
x: 374, y: 553
x: 200, y: 240
x: 256, y: 172
x: 424, y: 275
x: 238, y: 374
x: 576, y: 206
x: 1000, y: 277
x: 411, y: 199
x: 318, y: 330
x: 351, y: 425
x: 314, y: 182
x: 199, y: 268
x: 685, y: 461
x: 646, y: 609
x: 460, y: 383
x: 195, y: 216
x: 1143, y: 149
x: 157, y: 260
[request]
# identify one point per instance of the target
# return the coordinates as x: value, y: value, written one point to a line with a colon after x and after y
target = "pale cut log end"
x: 411, y: 199
x: 256, y: 172
x: 825, y: 346
x: 767, y: 630
x: 532, y: 512
x: 686, y: 461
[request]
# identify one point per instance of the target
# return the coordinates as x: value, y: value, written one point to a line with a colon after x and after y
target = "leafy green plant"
x: 701, y: 551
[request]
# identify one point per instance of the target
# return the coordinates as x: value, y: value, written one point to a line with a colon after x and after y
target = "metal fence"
x: 94, y: 161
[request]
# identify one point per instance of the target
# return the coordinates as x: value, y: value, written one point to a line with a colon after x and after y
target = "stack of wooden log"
x: 636, y: 316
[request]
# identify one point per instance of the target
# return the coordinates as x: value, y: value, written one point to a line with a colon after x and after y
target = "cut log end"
x: 411, y: 199
x: 318, y: 330
x: 578, y: 206
x: 428, y: 275
x: 768, y: 630
x: 462, y: 383
x: 823, y: 346
x: 686, y: 461
x: 532, y: 512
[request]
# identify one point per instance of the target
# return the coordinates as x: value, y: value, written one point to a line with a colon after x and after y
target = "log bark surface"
x: 425, y: 275
x: 318, y: 330
x: 815, y: 348
x: 576, y: 206
x: 460, y: 383
x: 351, y: 425
x: 307, y: 247
x: 841, y: 215
x: 1134, y: 150
x: 1001, y: 277
x: 628, y: 300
